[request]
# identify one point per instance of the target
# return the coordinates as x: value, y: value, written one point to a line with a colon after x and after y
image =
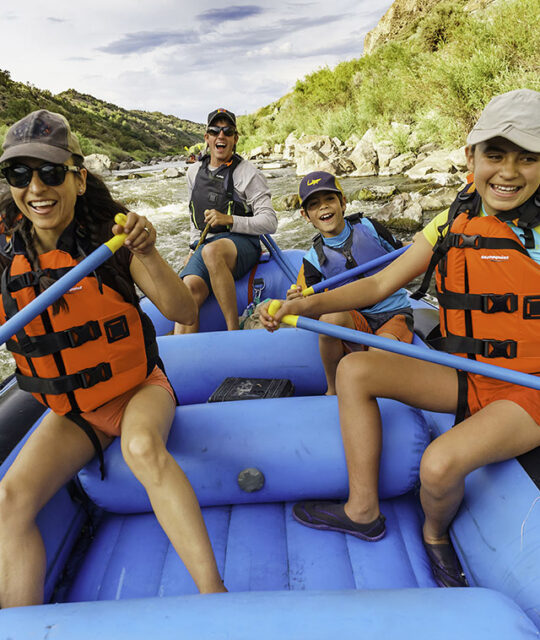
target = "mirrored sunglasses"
x: 214, y: 130
x: 20, y: 175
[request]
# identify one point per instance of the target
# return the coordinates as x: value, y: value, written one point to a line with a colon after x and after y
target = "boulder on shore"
x: 98, y: 163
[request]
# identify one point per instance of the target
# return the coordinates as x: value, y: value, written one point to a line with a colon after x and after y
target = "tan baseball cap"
x: 43, y: 135
x: 515, y: 116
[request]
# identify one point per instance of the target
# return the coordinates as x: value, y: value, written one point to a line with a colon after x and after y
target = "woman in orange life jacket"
x: 500, y: 420
x: 66, y: 213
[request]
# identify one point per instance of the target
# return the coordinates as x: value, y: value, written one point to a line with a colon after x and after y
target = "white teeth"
x: 42, y: 203
x: 500, y: 187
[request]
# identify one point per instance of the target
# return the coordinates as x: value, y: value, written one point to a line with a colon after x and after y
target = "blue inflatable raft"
x: 112, y: 573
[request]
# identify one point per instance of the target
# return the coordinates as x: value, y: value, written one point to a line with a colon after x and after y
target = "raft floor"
x: 258, y: 547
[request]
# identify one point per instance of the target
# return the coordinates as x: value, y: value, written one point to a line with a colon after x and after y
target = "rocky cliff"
x: 403, y: 15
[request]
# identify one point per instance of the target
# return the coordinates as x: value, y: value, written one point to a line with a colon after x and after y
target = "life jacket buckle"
x: 79, y: 335
x: 531, y: 307
x: 494, y: 303
x: 90, y: 377
x: 462, y: 241
x: 499, y: 348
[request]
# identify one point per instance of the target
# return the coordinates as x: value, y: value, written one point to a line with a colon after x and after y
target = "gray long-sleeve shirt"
x: 251, y: 187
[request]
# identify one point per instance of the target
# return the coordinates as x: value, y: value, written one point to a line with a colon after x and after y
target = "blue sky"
x: 178, y: 57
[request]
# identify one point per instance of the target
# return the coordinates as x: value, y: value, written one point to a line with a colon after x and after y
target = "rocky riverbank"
x: 426, y: 180
x: 416, y: 183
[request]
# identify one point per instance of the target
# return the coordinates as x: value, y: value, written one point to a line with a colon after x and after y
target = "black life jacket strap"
x: 464, y: 241
x: 463, y: 392
x: 476, y: 346
x: 318, y: 243
x: 485, y: 302
x: 83, y: 379
x: 31, y: 278
x: 11, y: 308
x: 468, y: 201
x: 527, y: 216
x: 53, y: 342
x: 229, y: 182
x: 87, y: 428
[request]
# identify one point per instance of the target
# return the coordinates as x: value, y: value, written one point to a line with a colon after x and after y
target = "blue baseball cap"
x: 317, y: 181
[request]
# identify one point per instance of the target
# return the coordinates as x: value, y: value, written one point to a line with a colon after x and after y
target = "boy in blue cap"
x: 344, y: 243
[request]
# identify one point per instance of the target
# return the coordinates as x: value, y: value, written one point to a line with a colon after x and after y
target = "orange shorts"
x: 399, y: 326
x: 108, y: 417
x: 482, y: 391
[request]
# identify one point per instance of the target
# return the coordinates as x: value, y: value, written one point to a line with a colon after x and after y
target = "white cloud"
x: 178, y: 56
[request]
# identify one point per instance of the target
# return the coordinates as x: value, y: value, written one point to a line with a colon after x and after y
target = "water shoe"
x: 445, y: 565
x: 331, y: 516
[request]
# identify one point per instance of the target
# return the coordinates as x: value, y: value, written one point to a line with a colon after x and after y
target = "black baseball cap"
x: 221, y: 113
x: 42, y: 134
x: 317, y: 181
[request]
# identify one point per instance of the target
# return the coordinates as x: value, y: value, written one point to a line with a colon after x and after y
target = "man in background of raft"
x: 230, y: 206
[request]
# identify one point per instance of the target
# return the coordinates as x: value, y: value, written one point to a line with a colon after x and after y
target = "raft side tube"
x: 408, y: 614
x: 496, y: 532
x: 197, y: 363
x: 294, y: 442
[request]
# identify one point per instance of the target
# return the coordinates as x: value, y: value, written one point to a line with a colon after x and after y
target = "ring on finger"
x: 147, y: 230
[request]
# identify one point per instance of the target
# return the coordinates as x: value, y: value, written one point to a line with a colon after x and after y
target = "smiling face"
x: 49, y: 209
x: 325, y: 209
x: 221, y: 146
x: 505, y: 175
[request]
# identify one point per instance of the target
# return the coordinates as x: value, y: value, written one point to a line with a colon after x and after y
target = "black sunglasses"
x: 214, y: 130
x: 53, y: 175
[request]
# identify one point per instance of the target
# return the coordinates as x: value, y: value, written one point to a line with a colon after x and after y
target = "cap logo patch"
x: 312, y: 182
x: 20, y: 132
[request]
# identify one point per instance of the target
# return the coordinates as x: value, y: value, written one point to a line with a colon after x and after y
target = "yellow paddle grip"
x: 288, y: 319
x: 118, y: 239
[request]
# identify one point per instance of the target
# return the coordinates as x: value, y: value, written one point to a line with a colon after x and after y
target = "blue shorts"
x: 248, y: 249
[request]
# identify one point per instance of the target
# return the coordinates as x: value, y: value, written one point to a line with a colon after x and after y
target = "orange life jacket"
x: 79, y: 359
x: 489, y: 294
x: 488, y: 286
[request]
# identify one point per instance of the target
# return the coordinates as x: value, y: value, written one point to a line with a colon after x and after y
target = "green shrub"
x: 437, y: 78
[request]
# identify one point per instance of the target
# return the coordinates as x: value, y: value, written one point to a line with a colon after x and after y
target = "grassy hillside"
x: 102, y: 127
x: 436, y: 77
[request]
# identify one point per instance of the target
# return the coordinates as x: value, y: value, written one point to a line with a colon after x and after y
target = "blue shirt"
x: 397, y: 300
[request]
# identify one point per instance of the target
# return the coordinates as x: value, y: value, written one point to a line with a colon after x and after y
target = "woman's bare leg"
x: 53, y: 454
x: 145, y: 427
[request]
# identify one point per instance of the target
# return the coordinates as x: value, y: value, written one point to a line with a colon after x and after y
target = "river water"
x: 164, y: 202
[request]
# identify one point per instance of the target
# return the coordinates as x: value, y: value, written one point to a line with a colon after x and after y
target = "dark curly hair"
x: 94, y: 218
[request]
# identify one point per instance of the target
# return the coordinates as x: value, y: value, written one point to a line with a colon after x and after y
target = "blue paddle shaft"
x: 55, y: 291
x: 279, y: 256
x: 414, y: 351
x: 329, y: 283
